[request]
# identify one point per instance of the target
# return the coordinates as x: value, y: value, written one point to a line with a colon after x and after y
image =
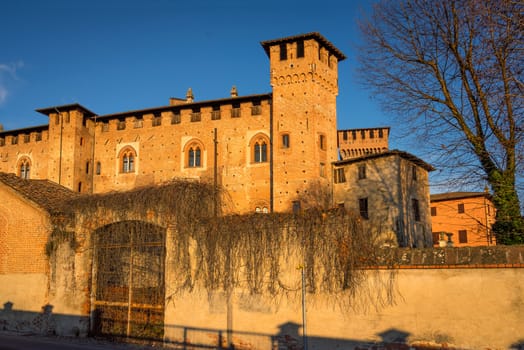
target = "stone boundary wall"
x: 454, y: 258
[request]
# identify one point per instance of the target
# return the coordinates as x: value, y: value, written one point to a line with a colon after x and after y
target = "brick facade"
x: 354, y: 143
x: 467, y: 216
x: 17, y: 231
x: 293, y: 130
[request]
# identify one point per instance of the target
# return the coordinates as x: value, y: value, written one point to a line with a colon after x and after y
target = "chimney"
x: 234, y: 92
x: 189, y: 96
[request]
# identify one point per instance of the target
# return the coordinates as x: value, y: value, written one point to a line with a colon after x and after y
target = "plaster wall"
x: 468, y: 308
x: 390, y: 184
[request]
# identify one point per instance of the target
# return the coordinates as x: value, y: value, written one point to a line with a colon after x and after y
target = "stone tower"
x: 304, y: 79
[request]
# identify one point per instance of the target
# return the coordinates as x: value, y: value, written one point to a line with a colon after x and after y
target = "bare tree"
x: 455, y: 70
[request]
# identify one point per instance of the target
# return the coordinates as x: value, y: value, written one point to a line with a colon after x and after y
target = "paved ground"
x: 18, y: 341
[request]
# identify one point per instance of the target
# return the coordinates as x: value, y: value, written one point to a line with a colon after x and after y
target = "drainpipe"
x: 60, y: 156
x: 271, y: 161
x: 215, y: 174
x: 93, y: 169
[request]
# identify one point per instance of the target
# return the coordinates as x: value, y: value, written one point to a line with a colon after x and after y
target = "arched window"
x: 262, y: 207
x: 259, y: 147
x: 127, y: 160
x: 194, y: 157
x: 260, y: 152
x: 194, y: 153
x: 24, y: 168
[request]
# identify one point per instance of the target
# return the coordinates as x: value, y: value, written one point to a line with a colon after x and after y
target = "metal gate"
x: 129, y: 280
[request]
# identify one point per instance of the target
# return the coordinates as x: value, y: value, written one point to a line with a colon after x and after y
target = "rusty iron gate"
x: 128, y: 285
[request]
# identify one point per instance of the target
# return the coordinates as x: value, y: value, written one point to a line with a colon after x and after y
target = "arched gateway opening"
x: 128, y: 283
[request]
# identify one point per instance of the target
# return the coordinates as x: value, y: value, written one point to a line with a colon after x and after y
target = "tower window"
x: 283, y: 51
x: 339, y: 175
x: 433, y: 211
x: 157, y: 120
x: 322, y: 142
x: 127, y: 158
x: 87, y: 167
x: 296, y: 207
x: 256, y: 109
x: 361, y: 172
x: 194, y: 157
x: 195, y: 115
x: 98, y: 168
x: 24, y: 168
x: 235, y: 110
x: 285, y: 141
x: 416, y: 209
x: 175, y: 119
x: 300, y: 48
x: 260, y: 150
x: 363, y: 207
x: 215, y: 113
x: 139, y: 123
x: 121, y: 125
x: 194, y: 154
x: 128, y: 163
x: 461, y: 208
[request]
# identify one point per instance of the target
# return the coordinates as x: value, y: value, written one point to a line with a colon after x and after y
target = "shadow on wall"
x: 519, y: 345
x: 44, y: 323
x: 289, y: 336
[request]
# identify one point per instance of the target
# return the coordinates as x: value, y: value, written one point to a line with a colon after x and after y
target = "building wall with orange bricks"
x: 84, y: 152
x: 355, y: 143
x: 22, y: 237
x: 26, y: 144
x: 304, y: 108
x: 162, y: 151
x: 469, y: 219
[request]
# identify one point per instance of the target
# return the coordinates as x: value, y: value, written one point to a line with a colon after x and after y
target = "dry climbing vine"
x: 248, y: 252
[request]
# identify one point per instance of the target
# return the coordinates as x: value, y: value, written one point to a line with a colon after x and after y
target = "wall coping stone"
x: 452, y: 258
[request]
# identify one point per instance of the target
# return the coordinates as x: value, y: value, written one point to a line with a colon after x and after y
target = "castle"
x: 268, y: 151
x: 272, y: 153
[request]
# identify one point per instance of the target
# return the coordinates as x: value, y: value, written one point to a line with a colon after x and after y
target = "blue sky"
x: 114, y: 55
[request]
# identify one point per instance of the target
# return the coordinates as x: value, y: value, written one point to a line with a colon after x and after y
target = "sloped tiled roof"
x: 402, y: 154
x: 457, y: 195
x: 313, y: 35
x: 44, y: 193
